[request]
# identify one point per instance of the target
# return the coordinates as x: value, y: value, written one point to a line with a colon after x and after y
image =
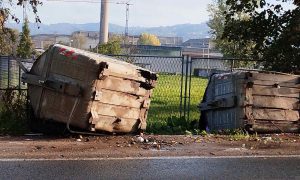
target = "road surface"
x: 285, y: 167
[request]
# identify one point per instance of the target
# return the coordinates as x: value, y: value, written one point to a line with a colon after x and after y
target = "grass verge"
x: 164, y: 114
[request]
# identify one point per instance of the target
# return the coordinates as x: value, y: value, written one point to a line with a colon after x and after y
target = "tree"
x: 11, y: 5
x: 113, y: 46
x: 229, y: 48
x: 148, y: 39
x: 274, y: 31
x: 25, y: 49
x: 8, y: 36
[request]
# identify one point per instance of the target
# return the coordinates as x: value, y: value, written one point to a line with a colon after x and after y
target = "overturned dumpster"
x: 89, y: 91
x: 262, y: 102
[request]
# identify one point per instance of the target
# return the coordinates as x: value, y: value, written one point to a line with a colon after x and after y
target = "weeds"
x: 13, y: 114
x: 234, y: 134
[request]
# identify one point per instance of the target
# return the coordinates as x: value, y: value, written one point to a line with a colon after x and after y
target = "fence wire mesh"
x: 11, y: 73
x: 166, y: 98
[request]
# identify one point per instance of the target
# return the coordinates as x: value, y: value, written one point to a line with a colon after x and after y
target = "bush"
x: 13, y: 112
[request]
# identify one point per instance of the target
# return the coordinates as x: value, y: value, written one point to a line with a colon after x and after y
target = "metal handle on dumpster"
x: 55, y: 85
x: 220, y: 103
x: 71, y: 117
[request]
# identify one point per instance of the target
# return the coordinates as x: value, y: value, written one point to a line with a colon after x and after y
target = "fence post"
x: 186, y: 87
x: 232, y: 65
x: 19, y: 75
x: 8, y: 72
x: 190, y: 87
x: 181, y: 85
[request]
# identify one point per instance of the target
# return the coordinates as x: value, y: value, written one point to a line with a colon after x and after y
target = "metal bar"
x: 19, y: 75
x: 190, y: 86
x: 181, y: 84
x: 27, y: 107
x: 8, y: 72
x: 3, y: 89
x: 225, y: 59
x: 185, y: 89
x: 145, y: 56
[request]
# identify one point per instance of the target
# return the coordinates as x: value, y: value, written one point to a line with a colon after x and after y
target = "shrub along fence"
x: 14, y: 105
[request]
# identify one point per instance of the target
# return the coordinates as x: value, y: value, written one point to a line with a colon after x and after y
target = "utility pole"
x: 24, y: 10
x: 127, y: 19
x: 103, y: 36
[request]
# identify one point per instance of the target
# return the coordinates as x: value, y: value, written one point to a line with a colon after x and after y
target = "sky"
x: 146, y: 13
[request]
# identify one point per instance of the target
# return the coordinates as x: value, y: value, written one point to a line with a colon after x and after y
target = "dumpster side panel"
x: 224, y: 119
x: 275, y: 102
x: 223, y: 99
x: 265, y: 102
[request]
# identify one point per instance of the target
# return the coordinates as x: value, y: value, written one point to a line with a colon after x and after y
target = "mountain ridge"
x: 186, y: 31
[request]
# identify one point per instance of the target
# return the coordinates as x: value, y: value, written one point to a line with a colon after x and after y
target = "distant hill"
x: 187, y: 31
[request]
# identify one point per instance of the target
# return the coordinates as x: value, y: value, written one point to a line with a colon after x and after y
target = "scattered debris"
x: 140, y: 139
x: 38, y: 147
x: 266, y: 138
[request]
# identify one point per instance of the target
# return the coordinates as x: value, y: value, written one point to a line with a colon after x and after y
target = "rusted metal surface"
x: 90, y: 91
x: 261, y: 102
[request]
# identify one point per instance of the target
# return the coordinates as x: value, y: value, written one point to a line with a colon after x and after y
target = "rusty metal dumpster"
x: 89, y: 91
x: 262, y: 102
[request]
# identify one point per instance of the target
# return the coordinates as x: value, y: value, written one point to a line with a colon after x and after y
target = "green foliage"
x: 274, y: 31
x: 13, y: 114
x: 11, y: 5
x: 25, y: 49
x: 8, y: 41
x: 229, y: 48
x: 8, y: 36
x: 113, y: 46
x: 234, y: 134
x: 148, y: 39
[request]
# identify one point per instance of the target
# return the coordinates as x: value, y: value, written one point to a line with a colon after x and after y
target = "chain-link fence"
x: 11, y: 73
x: 10, y: 76
x: 181, y: 85
x: 167, y: 96
x: 14, y: 105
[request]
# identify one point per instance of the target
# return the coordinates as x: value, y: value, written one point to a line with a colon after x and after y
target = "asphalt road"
x: 154, y: 168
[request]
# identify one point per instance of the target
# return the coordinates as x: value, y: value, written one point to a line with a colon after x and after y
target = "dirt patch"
x: 146, y: 146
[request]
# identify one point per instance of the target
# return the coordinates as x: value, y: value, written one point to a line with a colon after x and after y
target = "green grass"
x: 164, y: 113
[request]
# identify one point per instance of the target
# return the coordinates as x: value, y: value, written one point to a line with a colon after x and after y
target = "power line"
x: 81, y: 1
x: 127, y: 16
